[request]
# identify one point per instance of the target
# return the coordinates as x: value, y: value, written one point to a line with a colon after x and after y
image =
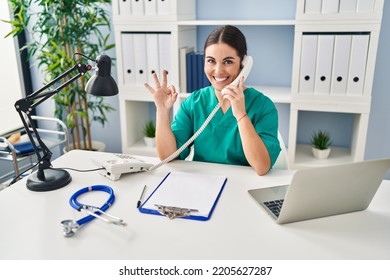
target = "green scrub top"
x: 220, y: 142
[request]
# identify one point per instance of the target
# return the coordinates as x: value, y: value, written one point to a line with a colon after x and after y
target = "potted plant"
x: 321, y: 141
x: 58, y: 30
x: 150, y: 134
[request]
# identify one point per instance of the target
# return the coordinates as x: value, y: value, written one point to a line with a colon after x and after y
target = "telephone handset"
x: 247, y: 64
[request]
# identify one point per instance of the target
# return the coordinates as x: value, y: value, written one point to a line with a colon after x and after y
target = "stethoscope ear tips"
x: 69, y: 227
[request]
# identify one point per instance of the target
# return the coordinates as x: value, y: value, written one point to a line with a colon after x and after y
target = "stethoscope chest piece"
x: 69, y: 227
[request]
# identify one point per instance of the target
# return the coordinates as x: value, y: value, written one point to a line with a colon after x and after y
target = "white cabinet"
x: 331, y: 59
x: 334, y: 61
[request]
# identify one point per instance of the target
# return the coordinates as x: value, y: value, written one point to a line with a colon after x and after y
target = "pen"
x: 140, y: 198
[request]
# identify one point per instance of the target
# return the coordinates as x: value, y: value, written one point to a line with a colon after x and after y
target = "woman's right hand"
x: 164, y: 96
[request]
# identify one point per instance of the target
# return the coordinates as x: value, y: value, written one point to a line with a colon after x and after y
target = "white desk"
x: 238, y: 228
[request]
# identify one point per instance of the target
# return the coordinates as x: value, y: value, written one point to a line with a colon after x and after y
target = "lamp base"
x: 53, y: 179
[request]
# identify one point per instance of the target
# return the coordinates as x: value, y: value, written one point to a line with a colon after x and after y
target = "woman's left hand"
x: 235, y: 94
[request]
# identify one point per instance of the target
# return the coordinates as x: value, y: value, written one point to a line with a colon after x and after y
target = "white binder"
x: 164, y: 46
x: 324, y: 64
x: 140, y: 58
x: 364, y: 6
x: 137, y: 7
x: 163, y: 7
x: 330, y: 6
x: 128, y: 59
x: 342, y: 48
x: 308, y: 64
x: 152, y: 56
x: 150, y: 7
x: 348, y: 6
x: 313, y: 6
x: 124, y: 7
x: 357, y: 66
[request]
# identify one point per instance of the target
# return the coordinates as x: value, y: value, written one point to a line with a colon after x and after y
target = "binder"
x: 342, y: 49
x: 357, y: 66
x: 308, y: 64
x: 348, y: 6
x: 324, y: 64
x: 125, y: 8
x: 140, y: 58
x: 128, y: 59
x: 183, y: 67
x: 137, y: 7
x: 163, y: 7
x: 330, y: 6
x: 313, y: 6
x: 194, y: 71
x: 365, y: 6
x: 185, y: 195
x: 152, y: 57
x: 164, y: 54
x: 189, y: 74
x: 150, y: 7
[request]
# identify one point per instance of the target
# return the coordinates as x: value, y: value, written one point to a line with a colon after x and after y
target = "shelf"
x: 237, y: 22
x: 304, y: 157
x: 139, y: 148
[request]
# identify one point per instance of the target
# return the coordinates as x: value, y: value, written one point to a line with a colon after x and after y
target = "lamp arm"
x: 25, y: 106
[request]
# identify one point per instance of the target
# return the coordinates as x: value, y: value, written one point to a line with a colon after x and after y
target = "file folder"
x: 308, y: 64
x: 365, y: 6
x: 348, y: 6
x: 163, y: 7
x: 357, y: 67
x: 324, y: 64
x: 342, y: 49
x: 187, y: 191
x: 152, y: 56
x: 124, y: 8
x: 128, y: 59
x: 330, y: 6
x: 164, y: 54
x: 150, y: 7
x: 140, y: 58
x: 137, y: 7
x: 183, y: 67
x: 313, y: 6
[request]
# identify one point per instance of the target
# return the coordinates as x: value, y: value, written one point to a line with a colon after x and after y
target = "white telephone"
x: 247, y: 64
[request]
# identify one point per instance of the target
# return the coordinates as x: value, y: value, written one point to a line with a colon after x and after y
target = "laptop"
x: 323, y: 191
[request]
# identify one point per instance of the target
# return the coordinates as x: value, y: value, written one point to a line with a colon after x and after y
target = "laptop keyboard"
x: 275, y: 206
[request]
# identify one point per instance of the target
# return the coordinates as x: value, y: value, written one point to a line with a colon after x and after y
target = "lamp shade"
x: 102, y: 84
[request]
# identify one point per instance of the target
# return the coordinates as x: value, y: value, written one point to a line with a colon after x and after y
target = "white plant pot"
x: 321, y: 154
x: 150, y: 141
x: 96, y: 146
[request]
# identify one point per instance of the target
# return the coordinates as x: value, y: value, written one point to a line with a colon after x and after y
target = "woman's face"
x: 222, y: 65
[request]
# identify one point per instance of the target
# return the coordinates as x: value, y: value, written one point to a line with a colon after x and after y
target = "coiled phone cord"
x: 189, y: 141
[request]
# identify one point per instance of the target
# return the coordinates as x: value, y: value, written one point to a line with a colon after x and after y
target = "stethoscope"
x: 71, y: 226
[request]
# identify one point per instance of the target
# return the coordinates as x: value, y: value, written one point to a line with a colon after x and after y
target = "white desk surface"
x: 238, y: 228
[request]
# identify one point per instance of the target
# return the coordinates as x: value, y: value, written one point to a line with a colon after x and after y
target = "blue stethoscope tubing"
x: 78, y: 206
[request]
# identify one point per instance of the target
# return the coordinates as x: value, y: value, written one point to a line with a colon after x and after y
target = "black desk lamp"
x: 100, y: 84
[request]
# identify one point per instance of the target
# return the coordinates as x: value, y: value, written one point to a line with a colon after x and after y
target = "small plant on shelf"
x: 149, y: 134
x: 321, y: 142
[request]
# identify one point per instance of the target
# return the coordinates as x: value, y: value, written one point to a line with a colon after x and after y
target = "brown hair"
x: 229, y: 35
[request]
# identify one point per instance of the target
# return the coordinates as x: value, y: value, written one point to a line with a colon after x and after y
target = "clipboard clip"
x: 174, y: 212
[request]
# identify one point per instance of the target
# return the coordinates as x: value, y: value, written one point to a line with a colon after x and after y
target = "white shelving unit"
x: 136, y: 104
x: 354, y: 21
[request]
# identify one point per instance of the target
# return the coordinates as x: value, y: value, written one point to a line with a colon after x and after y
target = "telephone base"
x: 117, y: 164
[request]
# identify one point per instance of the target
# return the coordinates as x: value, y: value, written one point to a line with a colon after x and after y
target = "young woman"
x: 243, y: 132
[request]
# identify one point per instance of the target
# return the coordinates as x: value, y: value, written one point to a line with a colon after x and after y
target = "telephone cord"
x: 189, y: 141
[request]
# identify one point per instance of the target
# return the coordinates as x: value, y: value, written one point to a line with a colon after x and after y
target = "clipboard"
x: 185, y: 195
